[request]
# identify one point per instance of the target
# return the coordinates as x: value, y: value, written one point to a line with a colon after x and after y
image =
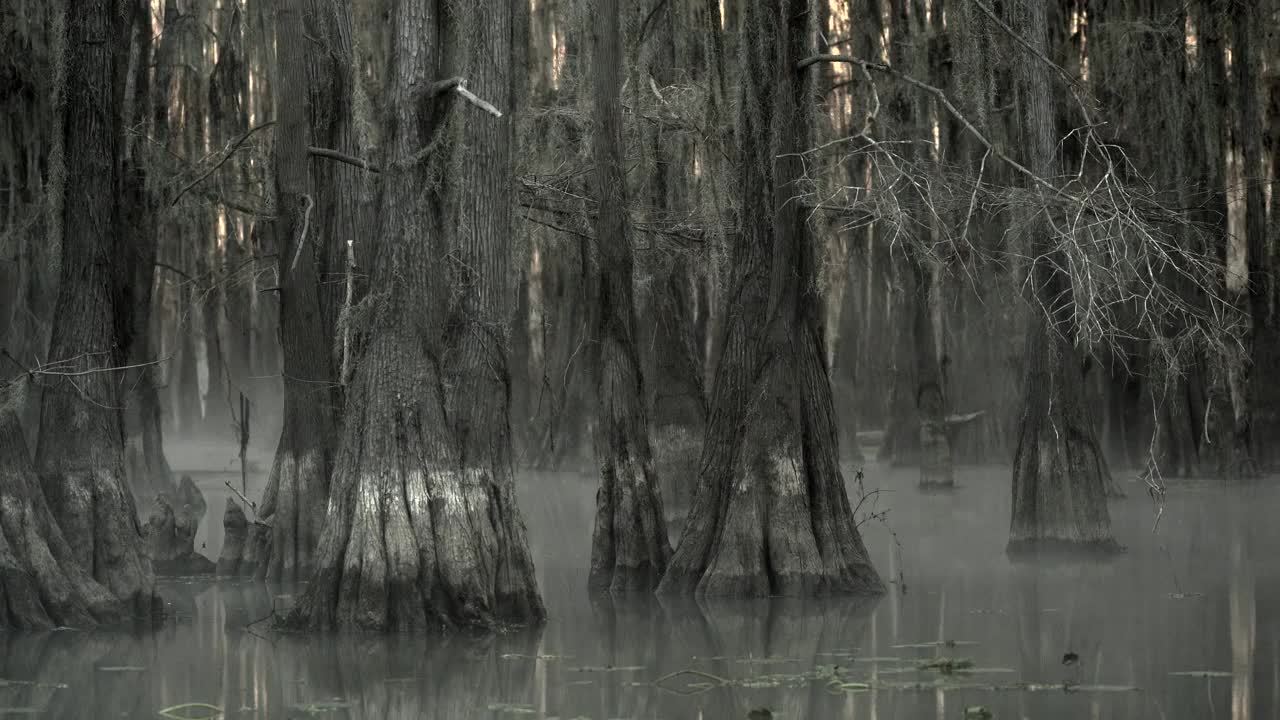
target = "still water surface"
x: 1185, y: 626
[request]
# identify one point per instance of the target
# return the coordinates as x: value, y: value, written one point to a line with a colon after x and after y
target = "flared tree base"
x: 630, y: 548
x: 293, y: 508
x: 41, y: 583
x: 414, y: 539
x: 783, y: 526
x: 675, y: 461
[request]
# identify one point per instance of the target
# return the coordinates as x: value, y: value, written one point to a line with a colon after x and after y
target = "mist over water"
x: 1184, y: 625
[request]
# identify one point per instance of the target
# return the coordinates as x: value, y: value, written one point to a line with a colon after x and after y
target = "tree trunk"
x: 81, y: 449
x: 217, y: 391
x: 1254, y: 369
x: 145, y: 463
x: 677, y: 397
x: 931, y: 390
x: 629, y: 547
x: 228, y: 120
x: 844, y: 365
x: 1059, y: 477
x: 297, y: 489
x: 771, y: 516
x: 670, y: 341
x: 901, y: 444
x: 1212, y: 93
x: 187, y: 380
x: 561, y: 411
x: 917, y: 429
x: 422, y: 529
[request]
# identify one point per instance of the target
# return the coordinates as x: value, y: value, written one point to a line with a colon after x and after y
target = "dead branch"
x: 343, y: 158
x: 478, y: 102
x: 231, y: 150
x: 302, y: 236
x: 91, y: 371
x: 172, y: 269
x: 253, y: 506
x: 943, y: 99
x: 458, y: 85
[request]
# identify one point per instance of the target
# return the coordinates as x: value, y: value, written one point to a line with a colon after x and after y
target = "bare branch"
x: 478, y: 102
x: 942, y: 98
x: 343, y: 158
x: 91, y: 371
x: 231, y: 150
x: 458, y: 85
x: 302, y: 236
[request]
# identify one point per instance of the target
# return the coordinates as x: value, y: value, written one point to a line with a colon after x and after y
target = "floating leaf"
x: 950, y: 684
x: 523, y: 656
x: 1202, y: 673
x: 695, y: 681
x: 1104, y: 688
x: 937, y: 644
x: 317, y: 708
x: 607, y: 668
x: 192, y: 711
x: 513, y: 709
x: 841, y: 686
x: 977, y: 712
x: 121, y: 668
x: 760, y: 682
x: 33, y: 683
x: 946, y: 666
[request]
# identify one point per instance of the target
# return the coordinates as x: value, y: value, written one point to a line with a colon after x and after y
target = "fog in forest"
x: 723, y: 359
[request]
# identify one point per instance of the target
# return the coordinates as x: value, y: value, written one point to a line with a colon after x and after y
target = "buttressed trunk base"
x: 771, y: 515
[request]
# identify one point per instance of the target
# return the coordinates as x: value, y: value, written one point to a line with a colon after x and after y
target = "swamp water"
x: 1184, y: 626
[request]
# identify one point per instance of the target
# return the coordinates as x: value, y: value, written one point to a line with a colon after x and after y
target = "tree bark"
x: 670, y: 344
x: 677, y: 396
x: 422, y: 529
x: 561, y: 412
x: 1212, y: 93
x: 1060, y: 479
x: 844, y: 365
x: 228, y: 120
x: 931, y: 389
x: 917, y: 428
x: 146, y: 466
x: 187, y: 373
x: 771, y: 516
x: 42, y: 581
x: 81, y: 449
x: 316, y: 223
x: 1254, y: 369
x: 629, y: 546
x: 211, y: 265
